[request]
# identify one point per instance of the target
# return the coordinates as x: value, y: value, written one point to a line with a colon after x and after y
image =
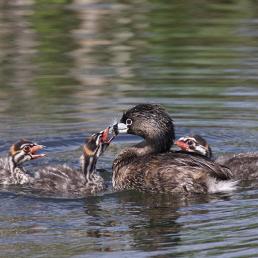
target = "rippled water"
x: 69, y: 68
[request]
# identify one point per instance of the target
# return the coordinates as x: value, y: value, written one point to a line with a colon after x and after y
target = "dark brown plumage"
x: 150, y: 166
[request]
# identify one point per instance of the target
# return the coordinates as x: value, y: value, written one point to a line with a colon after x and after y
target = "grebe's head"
x: 151, y: 122
x: 25, y: 150
x: 97, y: 143
x: 94, y: 146
x: 195, y: 144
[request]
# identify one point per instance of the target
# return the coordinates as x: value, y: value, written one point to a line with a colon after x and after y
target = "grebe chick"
x: 11, y: 170
x: 149, y: 166
x: 195, y: 144
x: 243, y: 166
x: 63, y: 180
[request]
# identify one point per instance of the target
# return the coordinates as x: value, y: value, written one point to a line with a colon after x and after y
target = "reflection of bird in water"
x: 11, y: 170
x: 155, y: 221
x: 244, y: 166
x: 147, y: 222
x: 150, y: 166
x: 68, y: 181
x: 155, y: 225
x: 144, y: 221
x: 152, y: 219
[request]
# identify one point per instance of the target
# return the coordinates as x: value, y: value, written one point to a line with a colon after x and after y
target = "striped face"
x: 25, y: 150
x: 195, y: 144
x: 94, y: 146
x: 97, y: 143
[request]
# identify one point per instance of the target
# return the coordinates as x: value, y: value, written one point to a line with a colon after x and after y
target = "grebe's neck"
x: 128, y: 154
x: 150, y: 145
x: 88, y: 165
x: 11, y: 164
x: 18, y: 174
x: 157, y: 142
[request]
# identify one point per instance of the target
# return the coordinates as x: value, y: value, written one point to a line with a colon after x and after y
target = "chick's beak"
x: 105, y: 136
x: 182, y: 145
x: 35, y: 149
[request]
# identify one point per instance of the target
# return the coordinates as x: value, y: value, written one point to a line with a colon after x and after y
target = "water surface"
x: 69, y: 68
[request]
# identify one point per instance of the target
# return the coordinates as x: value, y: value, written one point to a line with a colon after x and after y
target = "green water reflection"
x: 66, y: 60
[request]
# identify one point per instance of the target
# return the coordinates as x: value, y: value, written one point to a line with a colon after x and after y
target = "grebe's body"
x: 150, y: 166
x: 63, y: 180
x: 244, y: 166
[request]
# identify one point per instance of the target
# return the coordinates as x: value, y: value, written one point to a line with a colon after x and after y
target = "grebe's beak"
x: 35, y: 149
x: 182, y: 145
x: 105, y: 136
x: 119, y: 128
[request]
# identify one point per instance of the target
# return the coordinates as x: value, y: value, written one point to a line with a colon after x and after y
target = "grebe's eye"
x: 26, y: 148
x: 128, y: 121
x: 190, y: 143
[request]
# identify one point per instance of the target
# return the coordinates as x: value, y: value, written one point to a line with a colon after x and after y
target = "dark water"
x: 69, y: 68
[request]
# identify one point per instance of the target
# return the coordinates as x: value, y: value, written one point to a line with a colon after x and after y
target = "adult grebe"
x: 11, y: 170
x: 243, y: 166
x: 150, y: 166
x: 64, y: 180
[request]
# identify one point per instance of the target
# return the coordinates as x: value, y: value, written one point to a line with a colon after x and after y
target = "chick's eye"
x: 26, y: 148
x: 190, y: 143
x: 128, y: 121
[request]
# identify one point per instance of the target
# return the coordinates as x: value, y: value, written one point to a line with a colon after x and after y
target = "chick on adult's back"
x: 243, y: 166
